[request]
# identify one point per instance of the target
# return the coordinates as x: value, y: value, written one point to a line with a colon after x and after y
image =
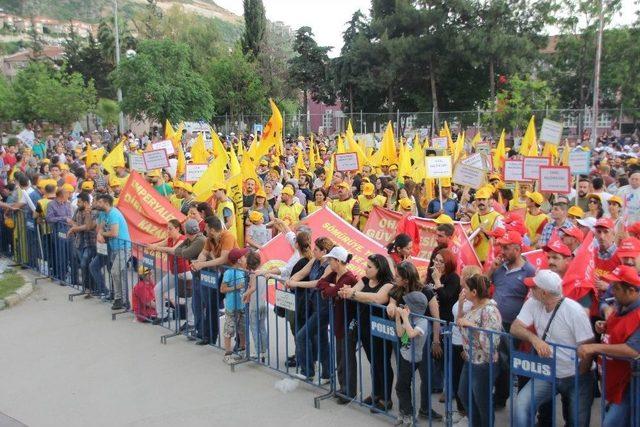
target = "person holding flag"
x: 483, y: 221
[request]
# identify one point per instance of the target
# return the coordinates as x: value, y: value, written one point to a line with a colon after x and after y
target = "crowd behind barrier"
x: 349, y: 350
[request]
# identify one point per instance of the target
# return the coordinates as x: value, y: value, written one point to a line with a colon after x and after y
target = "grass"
x: 9, y: 282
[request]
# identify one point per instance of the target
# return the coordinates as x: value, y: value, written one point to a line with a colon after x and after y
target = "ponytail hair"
x: 481, y: 284
x: 402, y: 240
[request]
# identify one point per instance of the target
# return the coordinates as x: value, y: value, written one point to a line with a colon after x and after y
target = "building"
x: 325, y: 119
x: 10, y: 65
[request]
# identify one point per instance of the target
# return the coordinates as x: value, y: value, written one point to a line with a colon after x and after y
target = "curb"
x: 18, y: 295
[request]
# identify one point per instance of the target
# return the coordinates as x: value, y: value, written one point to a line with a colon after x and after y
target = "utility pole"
x: 596, y: 76
x: 117, y: 37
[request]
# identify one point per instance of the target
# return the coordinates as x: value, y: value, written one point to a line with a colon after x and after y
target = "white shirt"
x: 631, y: 199
x: 569, y: 327
x: 456, y: 338
x: 285, y: 272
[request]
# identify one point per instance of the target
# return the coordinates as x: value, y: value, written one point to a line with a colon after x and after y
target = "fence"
x: 332, y: 121
x: 346, y: 349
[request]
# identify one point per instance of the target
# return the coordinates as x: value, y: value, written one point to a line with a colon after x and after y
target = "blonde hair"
x: 470, y: 270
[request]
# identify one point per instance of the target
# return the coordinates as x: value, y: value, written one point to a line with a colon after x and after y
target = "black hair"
x: 384, y: 271
x: 253, y: 259
x: 481, y: 284
x: 82, y: 196
x: 106, y: 198
x: 597, y: 183
x: 205, y: 209
x: 213, y: 222
x: 402, y: 240
x: 447, y: 229
x: 176, y: 224
x: 409, y: 272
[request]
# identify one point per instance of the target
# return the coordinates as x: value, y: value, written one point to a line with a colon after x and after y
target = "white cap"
x: 546, y: 280
x: 588, y: 222
x: 339, y: 253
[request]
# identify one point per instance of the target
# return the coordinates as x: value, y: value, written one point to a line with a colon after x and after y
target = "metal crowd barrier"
x: 295, y: 334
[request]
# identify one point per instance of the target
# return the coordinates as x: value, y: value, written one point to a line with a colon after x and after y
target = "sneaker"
x: 263, y: 356
x: 202, y: 342
x: 462, y: 420
x: 458, y: 417
x: 117, y: 304
x: 238, y: 356
x: 404, y: 420
x: 324, y: 381
x: 228, y: 359
x: 291, y: 362
x: 302, y: 377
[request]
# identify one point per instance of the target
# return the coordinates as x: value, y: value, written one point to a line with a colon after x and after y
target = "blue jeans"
x: 537, y: 392
x: 430, y: 374
x: 205, y: 311
x: 95, y: 267
x: 85, y: 255
x: 619, y: 414
x: 312, y: 339
x: 482, y: 379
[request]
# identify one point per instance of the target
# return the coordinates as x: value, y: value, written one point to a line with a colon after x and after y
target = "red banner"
x: 146, y: 211
x: 580, y: 277
x: 537, y: 258
x: 383, y: 225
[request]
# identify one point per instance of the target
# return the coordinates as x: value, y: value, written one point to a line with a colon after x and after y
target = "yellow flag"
x: 235, y: 194
x: 94, y: 156
x: 300, y: 166
x: 476, y: 138
x: 203, y: 189
x: 182, y: 162
x: 248, y: 169
x: 501, y: 153
x: 533, y: 149
x: 340, y: 148
x: 114, y: 159
x: 218, y: 147
x: 329, y: 173
x: 565, y: 154
x: 354, y: 147
x: 458, y: 147
x: 176, y: 138
x: 253, y: 147
x: 272, y: 132
x: 404, y: 162
x: 312, y: 154
x: 168, y: 130
x: 529, y: 138
x: 550, y: 150
x: 388, y: 146
x: 199, y: 151
x: 418, y: 157
x: 447, y: 133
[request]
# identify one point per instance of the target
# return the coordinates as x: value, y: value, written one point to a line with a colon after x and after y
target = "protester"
x: 142, y: 297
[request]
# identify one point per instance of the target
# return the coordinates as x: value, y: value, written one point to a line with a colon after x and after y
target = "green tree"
x: 255, y: 24
x: 63, y: 98
x: 273, y: 62
x: 108, y: 111
x: 159, y: 83
x: 518, y: 101
x: 310, y: 70
x: 6, y: 97
x: 23, y: 95
x: 235, y: 85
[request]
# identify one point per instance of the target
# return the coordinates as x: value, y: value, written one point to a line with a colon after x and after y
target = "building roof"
x: 51, y: 52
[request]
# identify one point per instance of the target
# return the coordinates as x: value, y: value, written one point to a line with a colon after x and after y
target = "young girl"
x: 256, y: 297
x: 143, y: 297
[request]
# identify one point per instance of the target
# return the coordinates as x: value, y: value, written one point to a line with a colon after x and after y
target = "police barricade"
x: 369, y: 379
x: 19, y: 244
x: 62, y: 258
x: 6, y: 237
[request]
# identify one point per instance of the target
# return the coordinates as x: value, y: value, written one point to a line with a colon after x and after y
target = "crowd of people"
x: 50, y: 180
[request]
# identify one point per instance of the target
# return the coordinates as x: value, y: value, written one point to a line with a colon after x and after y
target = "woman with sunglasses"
x: 595, y: 206
x: 372, y: 291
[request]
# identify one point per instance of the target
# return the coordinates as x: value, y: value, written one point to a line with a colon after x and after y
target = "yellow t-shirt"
x: 290, y: 214
x: 344, y: 208
x: 481, y: 243
x: 220, y: 213
x: 366, y: 206
x: 534, y: 225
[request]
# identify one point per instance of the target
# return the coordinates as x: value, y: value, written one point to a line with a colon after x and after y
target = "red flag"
x: 408, y: 226
x: 537, y: 258
x: 580, y: 278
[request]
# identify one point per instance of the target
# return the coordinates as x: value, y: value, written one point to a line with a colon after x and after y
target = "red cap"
x: 497, y: 233
x: 634, y: 228
x: 574, y: 232
x: 605, y: 223
x: 513, y: 216
x: 625, y: 274
x: 629, y: 248
x: 235, y: 254
x: 511, y: 238
x: 558, y: 247
x: 516, y: 225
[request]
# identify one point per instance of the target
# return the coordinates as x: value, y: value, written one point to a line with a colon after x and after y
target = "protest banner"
x: 551, y: 132
x: 384, y: 224
x: 146, y: 211
x: 478, y: 161
x: 155, y: 159
x: 513, y: 170
x: 438, y: 167
x: 439, y: 143
x: 469, y: 176
x: 166, y: 145
x: 194, y: 171
x: 347, y: 162
x: 555, y: 179
x: 580, y: 162
x: 484, y: 148
x: 136, y: 163
x: 531, y: 167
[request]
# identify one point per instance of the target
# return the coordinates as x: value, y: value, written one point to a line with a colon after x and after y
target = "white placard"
x: 551, y: 132
x: 478, y: 161
x: 469, y: 176
x: 166, y: 145
x: 439, y: 143
x: 513, y: 170
x: 156, y: 159
x: 136, y: 162
x: 531, y: 168
x: 286, y: 300
x: 347, y: 162
x: 101, y: 248
x: 193, y: 171
x: 484, y: 148
x: 555, y: 179
x: 580, y: 162
x: 438, y: 166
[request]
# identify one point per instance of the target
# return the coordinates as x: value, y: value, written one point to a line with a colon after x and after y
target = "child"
x: 143, y: 297
x: 257, y: 232
x: 233, y: 282
x: 256, y: 297
x: 412, y: 333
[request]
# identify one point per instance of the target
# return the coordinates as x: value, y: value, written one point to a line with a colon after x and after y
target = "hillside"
x: 91, y: 11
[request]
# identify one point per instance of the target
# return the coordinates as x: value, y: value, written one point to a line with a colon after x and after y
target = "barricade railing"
x: 294, y: 332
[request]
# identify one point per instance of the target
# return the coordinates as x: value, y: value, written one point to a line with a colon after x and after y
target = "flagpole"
x: 440, y: 193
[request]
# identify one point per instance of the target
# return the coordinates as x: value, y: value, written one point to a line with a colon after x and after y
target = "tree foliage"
x: 160, y: 83
x: 108, y: 111
x: 255, y: 24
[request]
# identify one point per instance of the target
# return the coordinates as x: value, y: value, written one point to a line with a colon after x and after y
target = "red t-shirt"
x: 142, y: 300
x: 182, y: 263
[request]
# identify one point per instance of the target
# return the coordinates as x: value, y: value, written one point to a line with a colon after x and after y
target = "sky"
x: 328, y: 18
